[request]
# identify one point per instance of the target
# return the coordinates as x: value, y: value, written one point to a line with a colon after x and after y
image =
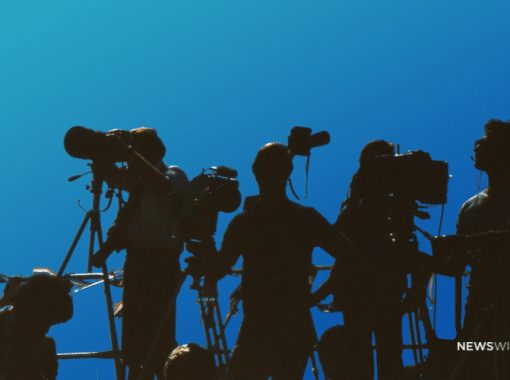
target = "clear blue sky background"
x: 218, y: 80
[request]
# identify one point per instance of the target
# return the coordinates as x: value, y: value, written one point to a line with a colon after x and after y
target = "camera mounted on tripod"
x: 215, y: 190
x: 106, y: 148
x: 415, y: 175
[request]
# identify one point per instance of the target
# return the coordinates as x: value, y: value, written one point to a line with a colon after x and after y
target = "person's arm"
x: 331, y: 240
x: 231, y: 249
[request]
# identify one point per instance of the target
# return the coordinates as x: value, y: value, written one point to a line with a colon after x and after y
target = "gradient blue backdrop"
x: 218, y: 80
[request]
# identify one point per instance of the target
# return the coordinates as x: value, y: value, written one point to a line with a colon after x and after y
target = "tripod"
x: 95, y: 228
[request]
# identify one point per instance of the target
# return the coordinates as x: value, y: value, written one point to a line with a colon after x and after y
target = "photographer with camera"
x: 275, y: 237
x: 148, y: 227
x: 487, y: 303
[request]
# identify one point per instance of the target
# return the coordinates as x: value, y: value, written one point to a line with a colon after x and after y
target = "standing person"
x: 150, y: 231
x: 489, y: 284
x: 374, y: 306
x: 275, y: 238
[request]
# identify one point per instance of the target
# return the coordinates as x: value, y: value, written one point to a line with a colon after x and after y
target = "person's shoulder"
x: 469, y: 213
x: 178, y: 178
x: 174, y: 170
x: 474, y: 201
x: 307, y: 213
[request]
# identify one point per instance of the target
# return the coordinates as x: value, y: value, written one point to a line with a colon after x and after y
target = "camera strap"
x: 307, y: 164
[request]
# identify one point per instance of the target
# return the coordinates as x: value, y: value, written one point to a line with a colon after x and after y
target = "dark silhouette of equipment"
x: 301, y: 140
x: 300, y: 143
x: 219, y: 192
x: 110, y: 147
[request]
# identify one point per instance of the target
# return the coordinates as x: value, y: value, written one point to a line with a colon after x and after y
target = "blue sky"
x: 218, y: 80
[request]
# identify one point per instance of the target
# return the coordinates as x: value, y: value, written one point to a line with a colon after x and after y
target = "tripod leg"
x: 413, y: 338
x: 222, y: 337
x: 73, y: 245
x: 119, y: 368
x: 162, y: 325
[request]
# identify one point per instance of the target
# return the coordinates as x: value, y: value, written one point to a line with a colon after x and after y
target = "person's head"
x: 42, y: 301
x: 190, y: 361
x: 492, y: 151
x: 375, y: 148
x: 272, y: 166
x: 366, y: 182
x: 147, y: 143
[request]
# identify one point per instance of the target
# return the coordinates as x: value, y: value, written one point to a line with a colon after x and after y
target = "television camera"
x: 214, y: 190
x: 415, y: 175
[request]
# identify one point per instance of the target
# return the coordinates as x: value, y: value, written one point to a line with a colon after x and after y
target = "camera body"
x: 415, y: 175
x: 301, y: 140
x: 213, y: 192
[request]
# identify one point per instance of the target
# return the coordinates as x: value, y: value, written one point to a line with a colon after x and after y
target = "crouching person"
x: 26, y: 353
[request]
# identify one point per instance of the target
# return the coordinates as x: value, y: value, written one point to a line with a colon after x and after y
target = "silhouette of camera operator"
x: 26, y: 353
x: 149, y: 228
x: 275, y: 238
x: 377, y: 217
x: 489, y: 282
x: 375, y: 304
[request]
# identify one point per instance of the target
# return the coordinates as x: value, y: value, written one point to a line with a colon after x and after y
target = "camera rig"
x: 214, y: 190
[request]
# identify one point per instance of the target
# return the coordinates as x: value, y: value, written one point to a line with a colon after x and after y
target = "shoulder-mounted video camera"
x: 415, y: 175
x: 219, y: 190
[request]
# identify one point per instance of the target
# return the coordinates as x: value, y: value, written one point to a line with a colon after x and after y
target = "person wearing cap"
x: 275, y: 238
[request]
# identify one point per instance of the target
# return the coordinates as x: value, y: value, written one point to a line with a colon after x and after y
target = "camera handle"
x: 93, y: 216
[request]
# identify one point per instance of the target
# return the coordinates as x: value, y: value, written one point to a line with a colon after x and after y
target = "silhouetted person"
x: 489, y: 283
x: 275, y: 238
x: 152, y: 237
x: 26, y: 353
x: 370, y: 296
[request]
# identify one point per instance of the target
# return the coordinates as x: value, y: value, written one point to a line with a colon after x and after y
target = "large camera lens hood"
x: 85, y: 143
